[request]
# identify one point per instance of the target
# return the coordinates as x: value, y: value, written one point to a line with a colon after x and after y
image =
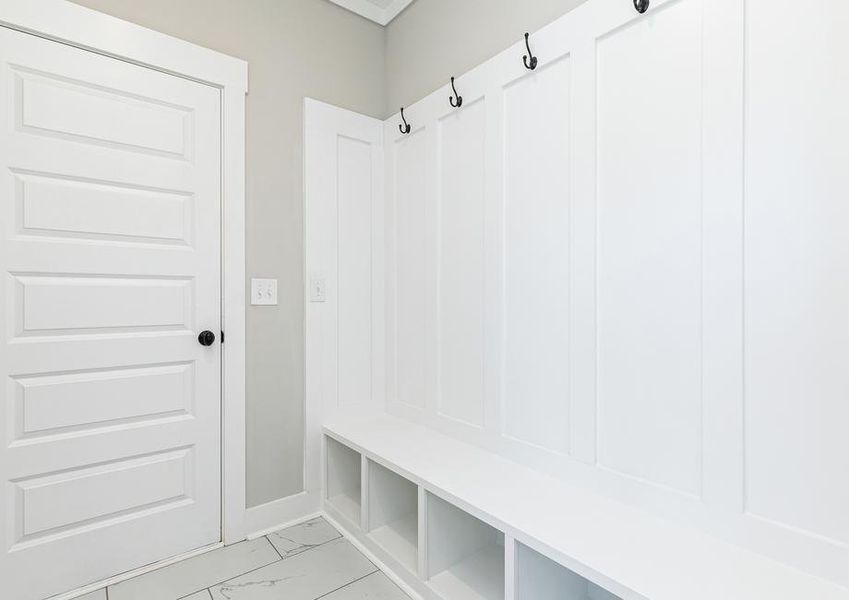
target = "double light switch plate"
x: 264, y: 292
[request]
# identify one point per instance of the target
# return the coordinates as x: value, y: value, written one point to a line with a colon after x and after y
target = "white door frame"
x: 84, y: 28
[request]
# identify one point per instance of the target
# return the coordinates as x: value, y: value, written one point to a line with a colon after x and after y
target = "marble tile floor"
x: 304, y: 562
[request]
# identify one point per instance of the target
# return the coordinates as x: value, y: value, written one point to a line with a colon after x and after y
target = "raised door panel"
x: 649, y: 244
x: 93, y: 113
x: 97, y: 210
x: 65, y: 502
x: 461, y: 149
x: 57, y: 404
x: 48, y: 304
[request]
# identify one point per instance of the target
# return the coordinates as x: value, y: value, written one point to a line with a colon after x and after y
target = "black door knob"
x: 206, y: 338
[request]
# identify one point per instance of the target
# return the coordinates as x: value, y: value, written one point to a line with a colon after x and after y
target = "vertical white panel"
x: 649, y: 247
x: 722, y: 212
x: 797, y: 267
x: 411, y: 199
x: 354, y: 270
x: 537, y: 114
x: 583, y: 409
x: 461, y: 147
x: 343, y: 160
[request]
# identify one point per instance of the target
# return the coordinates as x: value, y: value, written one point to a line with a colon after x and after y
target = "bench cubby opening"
x: 540, y: 578
x: 344, y: 477
x: 393, y: 514
x: 465, y: 556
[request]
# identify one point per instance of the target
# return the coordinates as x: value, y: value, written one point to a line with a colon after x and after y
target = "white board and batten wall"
x: 345, y: 291
x: 628, y: 268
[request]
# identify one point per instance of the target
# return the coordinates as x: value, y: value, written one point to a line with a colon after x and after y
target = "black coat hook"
x: 641, y: 5
x: 459, y: 99
x: 533, y: 64
x: 405, y: 128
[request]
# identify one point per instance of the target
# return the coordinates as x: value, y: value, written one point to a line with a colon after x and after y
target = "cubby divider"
x: 344, y: 476
x: 540, y: 578
x: 462, y: 557
x: 393, y: 514
x: 465, y: 556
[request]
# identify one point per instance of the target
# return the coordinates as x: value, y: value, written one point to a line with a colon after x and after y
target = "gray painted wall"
x: 299, y: 48
x: 434, y: 39
x: 295, y: 48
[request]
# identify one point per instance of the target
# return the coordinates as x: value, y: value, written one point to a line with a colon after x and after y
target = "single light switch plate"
x: 264, y: 292
x: 318, y: 289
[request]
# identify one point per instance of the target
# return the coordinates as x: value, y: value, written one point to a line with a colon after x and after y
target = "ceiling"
x: 379, y: 11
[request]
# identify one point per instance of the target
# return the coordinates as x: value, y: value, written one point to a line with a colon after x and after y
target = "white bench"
x: 455, y: 522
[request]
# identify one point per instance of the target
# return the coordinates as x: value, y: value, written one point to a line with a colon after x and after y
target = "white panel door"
x: 109, y: 258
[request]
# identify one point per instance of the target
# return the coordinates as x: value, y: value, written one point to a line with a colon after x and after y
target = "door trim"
x: 74, y: 25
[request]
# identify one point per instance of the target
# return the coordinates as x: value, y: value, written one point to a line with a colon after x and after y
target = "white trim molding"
x: 373, y: 12
x: 84, y: 28
x: 282, y: 513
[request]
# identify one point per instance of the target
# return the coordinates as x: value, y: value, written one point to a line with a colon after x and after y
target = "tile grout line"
x: 273, y: 546
x: 274, y: 562
x: 209, y: 587
x: 281, y: 558
x: 307, y: 547
x: 376, y: 570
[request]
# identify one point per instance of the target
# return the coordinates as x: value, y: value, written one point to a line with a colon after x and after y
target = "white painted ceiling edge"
x: 379, y: 11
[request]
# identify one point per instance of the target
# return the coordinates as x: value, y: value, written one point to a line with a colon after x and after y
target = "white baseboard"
x: 278, y: 514
x: 281, y: 514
